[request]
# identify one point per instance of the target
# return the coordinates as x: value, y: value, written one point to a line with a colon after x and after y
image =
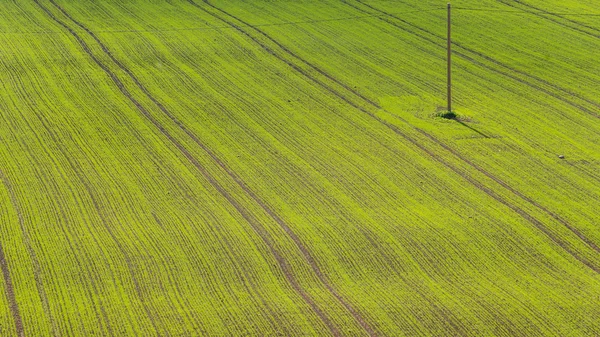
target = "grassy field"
x: 276, y: 168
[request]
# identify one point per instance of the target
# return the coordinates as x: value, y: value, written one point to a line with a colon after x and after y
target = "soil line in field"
x: 470, y: 163
x: 103, y: 218
x: 539, y: 12
x: 86, y: 184
x: 37, y: 269
x: 538, y: 224
x: 357, y: 316
x: 490, y: 59
x: 257, y: 227
x: 10, y: 294
x: 243, y: 274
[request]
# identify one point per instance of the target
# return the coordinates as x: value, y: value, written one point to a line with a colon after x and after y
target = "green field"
x: 278, y: 168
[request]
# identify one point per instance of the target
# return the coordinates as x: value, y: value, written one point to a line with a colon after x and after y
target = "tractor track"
x: 168, y: 265
x: 240, y: 209
x: 477, y: 53
x: 64, y: 218
x: 80, y: 266
x: 84, y: 181
x: 274, y: 318
x: 356, y: 315
x: 171, y: 272
x: 524, y: 214
x: 469, y: 162
x: 10, y: 293
x: 265, y: 207
x: 548, y: 16
x: 101, y: 214
x: 249, y: 285
x: 517, y: 193
x: 537, y: 223
x: 487, y: 58
x: 37, y: 269
x: 187, y: 315
x: 592, y: 174
x: 442, y: 313
x: 233, y: 175
x: 448, y: 317
x: 150, y: 151
x: 278, y: 44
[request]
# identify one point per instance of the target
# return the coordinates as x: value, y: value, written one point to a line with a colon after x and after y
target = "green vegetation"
x: 256, y: 168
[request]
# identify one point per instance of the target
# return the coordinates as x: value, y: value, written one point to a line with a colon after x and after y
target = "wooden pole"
x: 449, y: 59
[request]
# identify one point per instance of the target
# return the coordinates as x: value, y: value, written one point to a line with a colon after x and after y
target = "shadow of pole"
x: 472, y: 129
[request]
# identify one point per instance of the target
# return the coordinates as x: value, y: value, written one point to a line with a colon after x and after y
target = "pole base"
x: 448, y: 115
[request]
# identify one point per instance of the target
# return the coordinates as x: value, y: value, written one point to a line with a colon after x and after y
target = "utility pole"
x: 449, y: 59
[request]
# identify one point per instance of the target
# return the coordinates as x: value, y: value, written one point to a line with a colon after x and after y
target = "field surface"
x: 276, y: 168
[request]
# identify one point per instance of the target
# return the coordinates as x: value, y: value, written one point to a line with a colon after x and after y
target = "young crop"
x: 252, y: 168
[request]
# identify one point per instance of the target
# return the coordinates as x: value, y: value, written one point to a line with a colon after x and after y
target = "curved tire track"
x: 257, y: 227
x: 241, y: 272
x: 487, y: 58
x: 274, y: 215
x: 101, y: 214
x: 37, y: 269
x: 548, y: 16
x: 61, y: 210
x: 538, y: 224
x: 82, y: 178
x: 10, y: 293
x: 308, y: 256
x: 472, y: 164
